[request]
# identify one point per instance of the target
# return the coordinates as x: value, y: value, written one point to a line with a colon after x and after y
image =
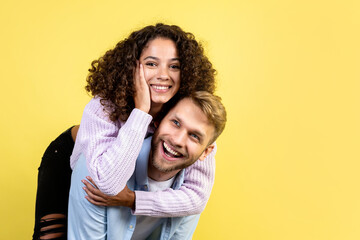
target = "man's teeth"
x: 170, y: 150
x: 161, y: 87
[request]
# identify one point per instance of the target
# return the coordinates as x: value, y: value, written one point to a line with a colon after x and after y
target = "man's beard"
x: 157, y: 164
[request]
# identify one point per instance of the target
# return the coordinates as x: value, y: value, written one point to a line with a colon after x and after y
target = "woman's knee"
x: 53, y: 226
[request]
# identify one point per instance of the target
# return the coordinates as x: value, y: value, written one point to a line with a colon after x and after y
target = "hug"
x: 157, y: 82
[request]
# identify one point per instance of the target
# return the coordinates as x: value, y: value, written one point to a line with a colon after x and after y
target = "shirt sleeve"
x: 190, y: 199
x: 110, y: 148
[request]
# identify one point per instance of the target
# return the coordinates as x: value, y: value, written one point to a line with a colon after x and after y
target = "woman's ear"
x: 206, y: 152
x: 156, y: 124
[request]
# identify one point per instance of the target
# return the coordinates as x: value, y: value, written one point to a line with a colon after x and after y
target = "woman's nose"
x: 163, y: 73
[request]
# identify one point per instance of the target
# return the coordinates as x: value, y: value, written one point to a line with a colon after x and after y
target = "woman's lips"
x: 160, y: 88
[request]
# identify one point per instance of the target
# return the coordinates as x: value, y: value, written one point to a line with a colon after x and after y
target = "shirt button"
x: 131, y: 226
x: 145, y: 187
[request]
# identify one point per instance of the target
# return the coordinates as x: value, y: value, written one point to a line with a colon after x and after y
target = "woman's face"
x: 161, y: 65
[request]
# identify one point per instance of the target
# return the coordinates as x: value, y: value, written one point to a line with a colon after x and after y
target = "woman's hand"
x: 142, y: 92
x: 124, y: 198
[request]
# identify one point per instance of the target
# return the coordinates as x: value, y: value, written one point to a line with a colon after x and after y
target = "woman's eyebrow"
x: 151, y: 57
x: 156, y: 58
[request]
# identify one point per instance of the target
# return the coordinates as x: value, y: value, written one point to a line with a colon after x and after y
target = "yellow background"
x: 288, y: 73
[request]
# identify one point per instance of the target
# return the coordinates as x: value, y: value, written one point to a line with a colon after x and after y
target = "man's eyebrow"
x: 201, y: 135
x: 155, y: 58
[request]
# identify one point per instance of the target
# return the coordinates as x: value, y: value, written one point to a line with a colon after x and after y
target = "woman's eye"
x: 151, y: 64
x: 175, y: 66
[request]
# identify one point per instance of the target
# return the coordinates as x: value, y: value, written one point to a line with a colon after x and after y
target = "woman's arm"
x: 110, y: 148
x: 190, y: 199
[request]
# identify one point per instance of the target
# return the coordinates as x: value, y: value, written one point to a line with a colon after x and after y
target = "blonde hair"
x: 213, y: 108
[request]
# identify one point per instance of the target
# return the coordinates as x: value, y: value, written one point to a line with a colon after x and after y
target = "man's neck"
x: 157, y: 175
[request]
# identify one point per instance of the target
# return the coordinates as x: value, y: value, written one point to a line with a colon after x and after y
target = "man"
x: 185, y: 134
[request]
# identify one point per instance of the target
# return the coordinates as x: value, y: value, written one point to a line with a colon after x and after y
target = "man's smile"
x: 170, y: 152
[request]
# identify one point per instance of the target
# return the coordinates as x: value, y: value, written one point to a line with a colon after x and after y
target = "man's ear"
x: 206, y: 152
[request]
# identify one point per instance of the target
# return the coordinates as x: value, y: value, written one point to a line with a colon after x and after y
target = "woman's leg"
x: 53, y: 188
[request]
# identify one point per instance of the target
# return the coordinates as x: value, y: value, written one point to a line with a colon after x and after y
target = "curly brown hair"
x: 111, y: 76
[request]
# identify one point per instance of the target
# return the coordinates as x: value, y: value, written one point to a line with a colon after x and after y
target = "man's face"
x: 181, y: 138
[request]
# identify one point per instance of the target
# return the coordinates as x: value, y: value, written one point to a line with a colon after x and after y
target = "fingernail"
x: 87, y: 177
x: 83, y: 181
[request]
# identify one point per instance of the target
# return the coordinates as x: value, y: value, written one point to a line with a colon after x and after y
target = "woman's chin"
x: 159, y: 100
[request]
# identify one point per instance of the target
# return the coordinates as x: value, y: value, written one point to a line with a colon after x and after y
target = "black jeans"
x: 53, y: 187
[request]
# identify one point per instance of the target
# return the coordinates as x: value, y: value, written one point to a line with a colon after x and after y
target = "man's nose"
x: 179, y: 138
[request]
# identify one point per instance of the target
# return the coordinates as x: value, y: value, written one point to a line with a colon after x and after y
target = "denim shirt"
x: 119, y: 222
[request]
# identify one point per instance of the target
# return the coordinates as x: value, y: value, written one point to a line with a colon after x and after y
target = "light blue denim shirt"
x: 87, y: 221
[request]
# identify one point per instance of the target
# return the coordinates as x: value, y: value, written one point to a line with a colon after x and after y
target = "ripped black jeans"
x: 53, y: 189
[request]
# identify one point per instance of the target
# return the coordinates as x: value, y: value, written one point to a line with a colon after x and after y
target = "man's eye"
x: 195, y: 136
x: 176, y: 123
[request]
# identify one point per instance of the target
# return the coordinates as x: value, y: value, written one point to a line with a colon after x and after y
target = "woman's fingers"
x: 92, y: 181
x: 137, y: 72
x: 93, y: 191
x: 94, y: 202
x: 142, y: 91
x: 137, y: 80
x: 142, y: 75
x: 94, y: 195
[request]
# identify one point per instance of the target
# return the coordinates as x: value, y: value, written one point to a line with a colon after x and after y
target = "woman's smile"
x: 161, y: 69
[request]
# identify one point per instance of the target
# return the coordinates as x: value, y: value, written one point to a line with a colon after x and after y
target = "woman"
x: 132, y: 86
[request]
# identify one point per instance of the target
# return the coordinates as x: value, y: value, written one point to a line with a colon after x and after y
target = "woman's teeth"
x: 160, y: 87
